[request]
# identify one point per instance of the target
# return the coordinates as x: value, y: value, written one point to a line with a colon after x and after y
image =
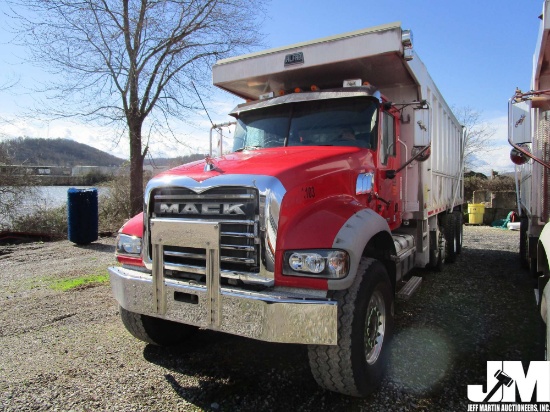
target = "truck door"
x: 390, y: 193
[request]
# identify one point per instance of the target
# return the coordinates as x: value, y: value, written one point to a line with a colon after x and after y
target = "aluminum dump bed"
x: 323, y: 62
x: 541, y: 69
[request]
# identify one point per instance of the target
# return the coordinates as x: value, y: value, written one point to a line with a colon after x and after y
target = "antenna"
x: 204, y: 107
x: 217, y: 127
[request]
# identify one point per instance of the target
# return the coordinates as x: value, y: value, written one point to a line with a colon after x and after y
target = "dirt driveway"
x: 68, y: 350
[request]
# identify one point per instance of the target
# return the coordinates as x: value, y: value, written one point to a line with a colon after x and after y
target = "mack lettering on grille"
x: 202, y: 208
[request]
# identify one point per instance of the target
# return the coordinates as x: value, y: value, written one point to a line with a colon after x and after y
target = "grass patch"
x: 64, y: 285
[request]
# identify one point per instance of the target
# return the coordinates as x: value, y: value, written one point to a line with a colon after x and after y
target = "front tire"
x: 356, y: 365
x: 156, y: 331
x: 523, y: 252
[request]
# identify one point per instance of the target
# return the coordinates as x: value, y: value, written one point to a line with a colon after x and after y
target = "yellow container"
x: 475, y: 213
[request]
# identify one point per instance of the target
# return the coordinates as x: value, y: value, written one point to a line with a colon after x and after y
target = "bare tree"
x: 478, y: 134
x: 16, y: 184
x: 131, y: 62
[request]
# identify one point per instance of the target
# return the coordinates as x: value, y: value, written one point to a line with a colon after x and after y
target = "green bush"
x: 95, y: 177
x: 497, y: 184
x: 472, y: 184
x: 501, y: 184
x: 49, y: 221
x: 113, y: 212
x: 114, y: 207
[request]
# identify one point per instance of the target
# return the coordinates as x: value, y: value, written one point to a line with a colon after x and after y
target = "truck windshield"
x: 334, y: 122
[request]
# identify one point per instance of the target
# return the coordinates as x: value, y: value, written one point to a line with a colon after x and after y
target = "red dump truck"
x: 529, y: 134
x: 345, y: 173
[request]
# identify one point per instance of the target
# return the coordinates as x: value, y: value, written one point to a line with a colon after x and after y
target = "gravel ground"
x: 70, y: 351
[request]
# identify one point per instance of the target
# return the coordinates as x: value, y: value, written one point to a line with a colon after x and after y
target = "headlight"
x: 323, y: 263
x: 128, y: 245
x: 306, y: 262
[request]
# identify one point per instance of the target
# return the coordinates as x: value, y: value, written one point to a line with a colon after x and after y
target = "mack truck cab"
x: 304, y: 231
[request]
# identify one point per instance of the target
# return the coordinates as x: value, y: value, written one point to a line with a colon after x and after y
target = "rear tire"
x: 356, y: 365
x: 438, y: 250
x: 459, y: 231
x: 156, y: 331
x: 440, y: 263
x: 449, y: 228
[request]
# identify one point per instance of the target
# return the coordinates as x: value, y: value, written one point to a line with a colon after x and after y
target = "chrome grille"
x: 235, y: 208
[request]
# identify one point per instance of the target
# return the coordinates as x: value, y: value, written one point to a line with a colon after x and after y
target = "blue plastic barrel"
x: 82, y: 215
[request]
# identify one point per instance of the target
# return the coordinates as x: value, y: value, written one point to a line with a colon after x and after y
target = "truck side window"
x: 388, y: 137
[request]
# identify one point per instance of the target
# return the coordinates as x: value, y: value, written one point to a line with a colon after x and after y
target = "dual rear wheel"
x: 452, y: 225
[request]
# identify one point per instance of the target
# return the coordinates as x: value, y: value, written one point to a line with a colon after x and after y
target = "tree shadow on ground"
x: 238, y: 373
x: 98, y: 247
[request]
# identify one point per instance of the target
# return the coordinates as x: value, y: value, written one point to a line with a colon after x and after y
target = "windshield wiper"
x: 248, y: 148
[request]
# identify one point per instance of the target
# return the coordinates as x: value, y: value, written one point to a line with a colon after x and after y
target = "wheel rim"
x: 375, y: 325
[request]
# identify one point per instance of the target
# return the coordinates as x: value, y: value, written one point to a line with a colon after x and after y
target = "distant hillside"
x: 56, y: 152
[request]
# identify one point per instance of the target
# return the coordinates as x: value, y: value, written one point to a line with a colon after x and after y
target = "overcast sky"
x: 477, y: 52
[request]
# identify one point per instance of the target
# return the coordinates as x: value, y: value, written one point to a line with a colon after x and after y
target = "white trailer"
x: 529, y: 134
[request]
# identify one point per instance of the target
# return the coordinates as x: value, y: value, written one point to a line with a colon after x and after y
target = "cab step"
x: 409, y: 288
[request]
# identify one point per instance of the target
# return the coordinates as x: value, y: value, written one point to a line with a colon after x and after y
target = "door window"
x: 388, y: 137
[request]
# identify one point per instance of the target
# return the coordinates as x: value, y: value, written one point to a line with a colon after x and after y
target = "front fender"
x: 315, y: 226
x: 354, y: 236
x: 544, y: 266
x: 543, y: 247
x: 134, y: 226
x: 334, y: 223
x: 312, y: 226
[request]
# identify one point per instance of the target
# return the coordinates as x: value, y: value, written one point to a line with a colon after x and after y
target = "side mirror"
x: 518, y: 157
x: 421, y: 154
x: 519, y: 123
x: 418, y: 153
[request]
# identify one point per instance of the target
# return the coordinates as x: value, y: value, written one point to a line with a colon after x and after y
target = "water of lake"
x: 45, y: 197
x: 55, y: 196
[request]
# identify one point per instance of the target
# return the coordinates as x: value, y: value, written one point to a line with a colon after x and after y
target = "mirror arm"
x: 529, y: 155
x: 390, y: 174
x: 515, y: 99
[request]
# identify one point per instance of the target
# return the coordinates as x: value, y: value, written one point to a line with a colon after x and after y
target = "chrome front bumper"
x: 267, y: 317
x: 279, y: 315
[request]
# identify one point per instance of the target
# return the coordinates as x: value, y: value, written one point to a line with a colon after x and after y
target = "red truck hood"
x: 288, y: 164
